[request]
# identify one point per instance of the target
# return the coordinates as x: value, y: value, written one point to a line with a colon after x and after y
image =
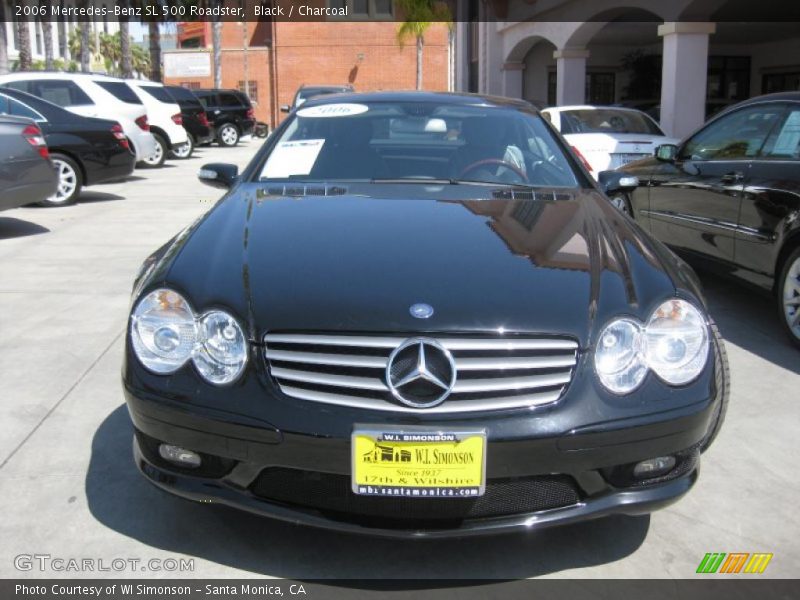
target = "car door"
x: 231, y: 107
x: 695, y: 200
x: 771, y: 200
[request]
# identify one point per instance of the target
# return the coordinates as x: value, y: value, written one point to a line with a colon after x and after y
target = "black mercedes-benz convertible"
x: 416, y: 314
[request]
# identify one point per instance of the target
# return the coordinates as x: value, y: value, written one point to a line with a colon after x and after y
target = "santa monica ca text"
x: 74, y: 591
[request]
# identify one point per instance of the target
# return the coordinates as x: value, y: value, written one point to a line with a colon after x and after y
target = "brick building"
x: 281, y: 56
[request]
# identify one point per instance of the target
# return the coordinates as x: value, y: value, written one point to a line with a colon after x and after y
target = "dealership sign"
x: 187, y: 64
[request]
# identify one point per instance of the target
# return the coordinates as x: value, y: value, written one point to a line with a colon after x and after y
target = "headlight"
x: 673, y: 343
x: 676, y: 342
x: 222, y: 352
x: 618, y: 356
x: 166, y: 334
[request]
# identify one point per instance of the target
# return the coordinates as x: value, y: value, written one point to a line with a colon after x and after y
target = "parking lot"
x: 70, y: 489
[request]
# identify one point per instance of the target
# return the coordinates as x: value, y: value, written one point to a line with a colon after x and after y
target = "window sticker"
x: 333, y: 110
x: 292, y: 158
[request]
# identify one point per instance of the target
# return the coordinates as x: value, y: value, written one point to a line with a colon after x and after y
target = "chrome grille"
x: 493, y: 372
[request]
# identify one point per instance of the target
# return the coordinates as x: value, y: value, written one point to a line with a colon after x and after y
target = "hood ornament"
x: 421, y: 310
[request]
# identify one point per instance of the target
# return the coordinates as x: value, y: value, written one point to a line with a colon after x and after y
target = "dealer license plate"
x: 418, y: 462
x: 624, y: 159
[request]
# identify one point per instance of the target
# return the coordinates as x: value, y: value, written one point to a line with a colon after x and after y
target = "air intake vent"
x: 299, y: 190
x: 529, y: 194
x: 491, y: 372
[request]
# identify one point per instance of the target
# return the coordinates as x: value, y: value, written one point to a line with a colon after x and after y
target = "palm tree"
x: 125, y: 47
x: 24, y: 39
x: 216, y: 40
x: 47, y: 34
x: 155, y: 51
x: 85, y: 46
x: 418, y: 16
x: 3, y: 40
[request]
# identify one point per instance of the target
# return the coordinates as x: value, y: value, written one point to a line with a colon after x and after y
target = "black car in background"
x: 84, y: 150
x: 195, y: 121
x: 230, y: 113
x: 26, y: 174
x: 306, y: 92
x: 390, y: 326
x: 728, y: 198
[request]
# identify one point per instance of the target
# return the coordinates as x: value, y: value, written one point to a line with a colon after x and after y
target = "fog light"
x: 179, y: 456
x: 654, y: 467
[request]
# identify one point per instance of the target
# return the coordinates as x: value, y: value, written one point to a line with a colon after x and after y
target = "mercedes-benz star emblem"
x: 421, y: 373
x: 421, y: 311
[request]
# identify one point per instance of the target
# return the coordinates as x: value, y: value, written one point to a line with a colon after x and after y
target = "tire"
x: 184, y: 151
x: 622, y: 202
x: 722, y: 382
x: 228, y: 135
x: 787, y: 294
x: 157, y: 159
x: 70, y: 181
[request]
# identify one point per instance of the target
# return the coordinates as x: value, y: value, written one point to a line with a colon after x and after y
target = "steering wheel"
x: 495, y: 161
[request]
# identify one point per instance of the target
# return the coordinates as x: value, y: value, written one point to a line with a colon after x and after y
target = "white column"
x: 684, y: 76
x: 512, y: 79
x: 570, y: 75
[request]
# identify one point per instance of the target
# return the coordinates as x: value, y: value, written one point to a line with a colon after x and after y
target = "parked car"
x: 230, y: 113
x: 195, y: 121
x: 457, y: 343
x: 309, y: 91
x: 606, y: 137
x: 165, y: 117
x: 79, y: 93
x: 26, y: 174
x: 729, y: 197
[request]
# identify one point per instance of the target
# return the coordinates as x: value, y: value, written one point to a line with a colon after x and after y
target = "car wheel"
x: 228, y: 135
x: 70, y: 181
x: 157, y: 158
x: 722, y: 385
x: 184, y: 150
x: 788, y: 294
x: 623, y: 203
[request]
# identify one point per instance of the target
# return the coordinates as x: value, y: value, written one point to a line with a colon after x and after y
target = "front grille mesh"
x: 492, y: 372
x: 331, y: 494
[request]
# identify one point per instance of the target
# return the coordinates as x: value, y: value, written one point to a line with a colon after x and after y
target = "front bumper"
x: 589, y: 458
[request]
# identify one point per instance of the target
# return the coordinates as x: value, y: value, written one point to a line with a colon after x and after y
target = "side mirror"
x: 218, y: 175
x: 666, y: 152
x: 286, y: 108
x: 612, y: 182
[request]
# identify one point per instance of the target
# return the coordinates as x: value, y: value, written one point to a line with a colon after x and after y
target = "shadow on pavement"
x: 92, y: 196
x: 749, y: 319
x: 14, y: 228
x: 120, y: 498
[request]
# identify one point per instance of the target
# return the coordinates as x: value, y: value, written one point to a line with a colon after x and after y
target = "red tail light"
x: 203, y: 118
x: 251, y: 114
x: 35, y: 138
x: 120, y: 135
x: 582, y: 158
x: 178, y: 119
x: 142, y: 123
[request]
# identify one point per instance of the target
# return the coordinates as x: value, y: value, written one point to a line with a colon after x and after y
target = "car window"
x: 207, y: 100
x: 784, y: 141
x: 3, y: 105
x: 19, y: 109
x: 159, y: 93
x: 229, y: 100
x: 22, y: 86
x: 120, y: 90
x: 737, y: 135
x: 607, y: 120
x: 60, y: 92
x: 418, y: 141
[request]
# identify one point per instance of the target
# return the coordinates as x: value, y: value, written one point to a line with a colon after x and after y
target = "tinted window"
x: 784, y: 141
x: 740, y: 134
x: 22, y: 86
x: 3, y: 105
x: 159, y: 93
x: 180, y: 93
x: 60, y: 92
x: 207, y: 100
x: 120, y: 90
x: 607, y: 121
x: 229, y: 100
x: 20, y: 110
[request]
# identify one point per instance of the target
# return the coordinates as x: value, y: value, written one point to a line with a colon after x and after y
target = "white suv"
x: 79, y: 93
x: 166, y: 122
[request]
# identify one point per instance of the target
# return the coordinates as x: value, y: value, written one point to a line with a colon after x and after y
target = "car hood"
x: 353, y: 263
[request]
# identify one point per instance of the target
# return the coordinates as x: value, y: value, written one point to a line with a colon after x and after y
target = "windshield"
x: 418, y: 141
x: 607, y: 120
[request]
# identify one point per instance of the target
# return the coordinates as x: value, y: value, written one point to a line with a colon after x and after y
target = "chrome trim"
x: 509, y: 383
x: 449, y: 343
x: 538, y: 362
x: 727, y: 226
x: 359, y: 383
x: 337, y: 360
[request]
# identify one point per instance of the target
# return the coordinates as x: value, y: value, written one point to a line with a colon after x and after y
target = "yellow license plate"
x: 418, y: 462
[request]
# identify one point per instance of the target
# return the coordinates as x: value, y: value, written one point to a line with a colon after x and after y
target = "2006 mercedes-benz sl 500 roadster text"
x: 416, y: 314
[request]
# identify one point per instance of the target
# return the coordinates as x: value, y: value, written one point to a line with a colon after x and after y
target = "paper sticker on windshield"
x: 333, y: 110
x: 292, y: 158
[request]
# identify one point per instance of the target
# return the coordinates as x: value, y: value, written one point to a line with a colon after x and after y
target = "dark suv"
x: 230, y: 114
x: 195, y: 121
